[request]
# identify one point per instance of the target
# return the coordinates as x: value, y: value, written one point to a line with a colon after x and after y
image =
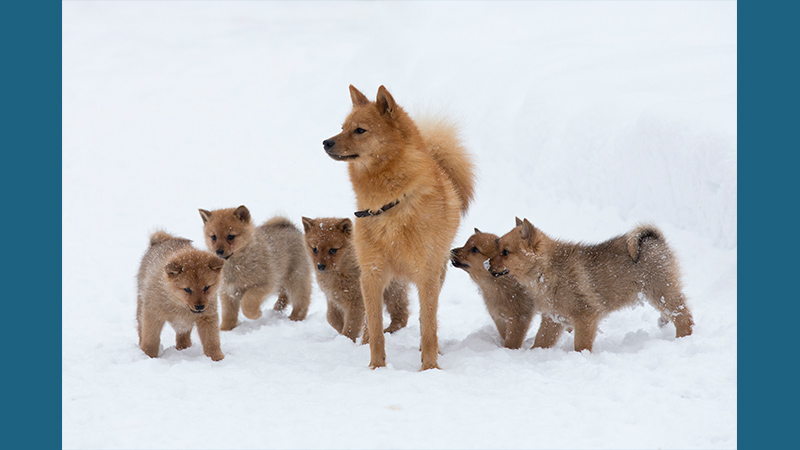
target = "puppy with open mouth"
x: 583, y: 283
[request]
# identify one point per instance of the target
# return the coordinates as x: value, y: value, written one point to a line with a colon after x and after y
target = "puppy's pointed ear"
x: 519, y: 222
x: 477, y: 231
x: 357, y: 97
x: 173, y: 269
x: 242, y: 213
x: 307, y: 223
x: 205, y: 215
x: 386, y: 104
x: 215, y: 264
x: 527, y: 232
x: 346, y: 225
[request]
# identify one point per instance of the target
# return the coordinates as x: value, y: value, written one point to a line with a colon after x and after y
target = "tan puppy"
x: 509, y: 304
x: 259, y: 261
x: 329, y: 244
x: 178, y: 284
x: 411, y: 184
x: 583, y: 283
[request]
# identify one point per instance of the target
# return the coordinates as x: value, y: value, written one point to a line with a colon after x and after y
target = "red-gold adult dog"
x: 412, y: 183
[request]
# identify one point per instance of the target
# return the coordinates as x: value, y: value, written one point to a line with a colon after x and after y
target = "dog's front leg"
x: 372, y: 286
x: 549, y: 332
x: 150, y: 339
x: 252, y: 300
x: 229, y: 303
x: 585, y: 330
x: 428, y: 305
x: 208, y: 329
x: 516, y: 331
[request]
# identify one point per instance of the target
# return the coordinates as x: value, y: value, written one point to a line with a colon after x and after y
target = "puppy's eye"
x: 205, y: 289
x: 214, y: 238
x: 333, y: 251
x: 188, y: 290
x: 359, y: 130
x: 474, y: 249
x: 504, y: 252
x: 230, y: 237
x: 315, y: 250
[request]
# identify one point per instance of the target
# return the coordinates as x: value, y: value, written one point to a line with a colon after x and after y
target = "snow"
x: 587, y: 118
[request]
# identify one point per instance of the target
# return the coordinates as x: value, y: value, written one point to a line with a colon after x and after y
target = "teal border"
x: 766, y: 203
x: 31, y: 187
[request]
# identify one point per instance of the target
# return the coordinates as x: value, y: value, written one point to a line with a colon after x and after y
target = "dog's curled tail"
x: 279, y: 222
x: 159, y: 237
x: 639, y: 235
x: 446, y: 148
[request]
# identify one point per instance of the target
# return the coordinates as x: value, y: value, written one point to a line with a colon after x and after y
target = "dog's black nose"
x: 328, y: 144
x: 321, y: 266
x: 199, y: 308
x: 220, y: 252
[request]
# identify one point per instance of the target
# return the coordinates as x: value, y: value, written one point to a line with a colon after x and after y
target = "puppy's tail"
x: 159, y: 237
x: 279, y: 222
x: 639, y: 235
x: 446, y: 148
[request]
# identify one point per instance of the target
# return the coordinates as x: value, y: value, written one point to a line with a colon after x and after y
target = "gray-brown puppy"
x: 259, y: 261
x: 583, y: 283
x: 329, y: 243
x: 178, y: 284
x: 510, y: 305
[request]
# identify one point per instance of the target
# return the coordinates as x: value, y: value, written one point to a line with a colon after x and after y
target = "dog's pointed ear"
x: 215, y: 264
x: 519, y: 222
x: 205, y: 215
x: 307, y: 223
x: 173, y: 269
x: 346, y: 226
x: 357, y: 97
x: 386, y: 104
x: 528, y: 231
x: 477, y: 231
x: 242, y: 213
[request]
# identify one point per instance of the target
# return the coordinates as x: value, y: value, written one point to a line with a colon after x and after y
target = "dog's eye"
x: 214, y: 238
x: 333, y: 251
x: 315, y: 250
x: 474, y: 249
x: 504, y: 252
x: 205, y: 289
x: 230, y: 237
x: 359, y: 130
x: 188, y: 290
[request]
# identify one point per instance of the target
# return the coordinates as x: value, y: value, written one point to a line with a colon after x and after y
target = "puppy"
x: 259, y: 261
x: 509, y: 304
x: 583, y: 283
x: 178, y: 284
x: 412, y: 183
x: 329, y: 244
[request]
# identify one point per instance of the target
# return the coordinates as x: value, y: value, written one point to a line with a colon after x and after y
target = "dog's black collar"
x: 369, y: 212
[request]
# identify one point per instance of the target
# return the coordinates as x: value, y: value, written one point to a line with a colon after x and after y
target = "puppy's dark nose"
x: 321, y: 266
x: 220, y: 252
x: 328, y: 144
x: 199, y: 308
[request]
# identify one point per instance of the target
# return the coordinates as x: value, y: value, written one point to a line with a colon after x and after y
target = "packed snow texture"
x: 587, y: 118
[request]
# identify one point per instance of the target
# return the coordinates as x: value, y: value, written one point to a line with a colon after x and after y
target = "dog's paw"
x: 216, y: 356
x: 428, y: 366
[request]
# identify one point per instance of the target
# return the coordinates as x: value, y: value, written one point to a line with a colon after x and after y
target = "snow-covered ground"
x: 585, y: 117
